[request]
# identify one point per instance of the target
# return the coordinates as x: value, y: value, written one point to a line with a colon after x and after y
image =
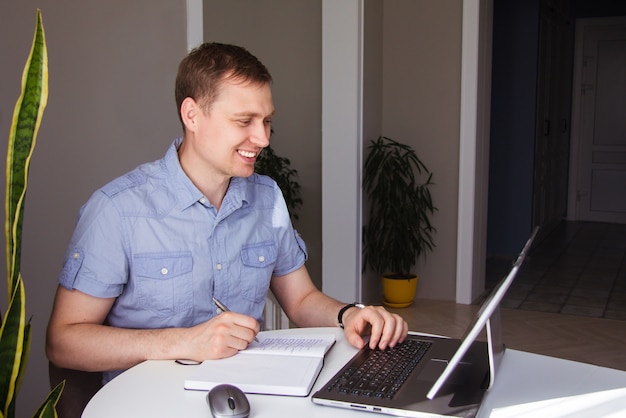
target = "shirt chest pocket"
x: 258, y: 262
x: 163, y: 282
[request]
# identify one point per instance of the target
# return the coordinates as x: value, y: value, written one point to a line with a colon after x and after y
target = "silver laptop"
x: 433, y: 375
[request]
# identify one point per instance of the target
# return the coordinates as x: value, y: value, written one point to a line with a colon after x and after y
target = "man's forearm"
x: 317, y: 310
x: 92, y: 347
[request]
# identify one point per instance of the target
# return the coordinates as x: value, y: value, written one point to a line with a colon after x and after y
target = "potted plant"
x: 279, y: 169
x: 15, y: 333
x: 398, y: 229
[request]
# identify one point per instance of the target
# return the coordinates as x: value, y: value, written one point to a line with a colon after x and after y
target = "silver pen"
x: 225, y: 309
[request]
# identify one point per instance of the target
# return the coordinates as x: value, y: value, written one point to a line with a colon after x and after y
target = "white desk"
x: 527, y: 385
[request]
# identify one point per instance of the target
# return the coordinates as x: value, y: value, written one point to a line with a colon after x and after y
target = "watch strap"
x: 345, y: 308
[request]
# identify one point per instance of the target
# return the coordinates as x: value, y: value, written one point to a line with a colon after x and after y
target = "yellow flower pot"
x: 399, y: 292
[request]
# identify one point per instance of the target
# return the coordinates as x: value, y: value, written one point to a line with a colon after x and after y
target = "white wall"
x: 111, y: 106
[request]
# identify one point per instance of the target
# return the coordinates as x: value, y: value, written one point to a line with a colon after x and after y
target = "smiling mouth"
x: 247, y: 154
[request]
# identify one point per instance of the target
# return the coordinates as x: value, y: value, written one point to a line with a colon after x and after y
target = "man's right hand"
x: 221, y: 336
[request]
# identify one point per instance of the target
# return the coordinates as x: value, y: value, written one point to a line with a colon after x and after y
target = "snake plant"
x: 15, y: 334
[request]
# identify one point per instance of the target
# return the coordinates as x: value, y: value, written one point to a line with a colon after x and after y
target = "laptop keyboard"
x: 380, y: 373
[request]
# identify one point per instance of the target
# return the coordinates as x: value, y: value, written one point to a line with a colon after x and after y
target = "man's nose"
x: 261, y: 136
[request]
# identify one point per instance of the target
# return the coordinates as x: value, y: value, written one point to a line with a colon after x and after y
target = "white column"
x: 473, y: 150
x: 342, y: 80
x: 195, y: 32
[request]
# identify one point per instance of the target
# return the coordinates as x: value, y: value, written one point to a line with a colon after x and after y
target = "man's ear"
x: 189, y: 111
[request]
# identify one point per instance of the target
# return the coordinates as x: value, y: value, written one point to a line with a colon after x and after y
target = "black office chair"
x: 79, y: 389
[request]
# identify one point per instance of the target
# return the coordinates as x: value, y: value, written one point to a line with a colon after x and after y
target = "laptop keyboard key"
x: 380, y: 373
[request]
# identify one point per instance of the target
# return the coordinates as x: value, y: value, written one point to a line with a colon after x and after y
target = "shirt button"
x: 76, y: 255
x: 202, y: 200
x: 164, y: 271
x: 218, y: 266
x: 261, y: 258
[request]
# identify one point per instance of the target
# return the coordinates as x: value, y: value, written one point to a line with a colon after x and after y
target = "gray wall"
x: 412, y: 73
x: 421, y: 106
x: 373, y: 65
x: 111, y: 106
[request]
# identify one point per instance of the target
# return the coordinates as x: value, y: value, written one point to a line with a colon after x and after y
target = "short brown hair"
x: 201, y: 72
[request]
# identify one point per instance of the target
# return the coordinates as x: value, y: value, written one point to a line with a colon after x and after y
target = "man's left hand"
x: 385, y: 329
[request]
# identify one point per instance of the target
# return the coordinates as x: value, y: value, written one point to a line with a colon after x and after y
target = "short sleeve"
x: 95, y: 262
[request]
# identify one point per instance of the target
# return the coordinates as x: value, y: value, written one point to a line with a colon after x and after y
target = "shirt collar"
x: 188, y: 194
x: 236, y: 196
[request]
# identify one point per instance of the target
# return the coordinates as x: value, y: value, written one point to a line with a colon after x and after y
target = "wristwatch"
x: 345, y: 308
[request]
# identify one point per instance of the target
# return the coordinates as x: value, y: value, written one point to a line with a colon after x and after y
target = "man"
x: 152, y: 248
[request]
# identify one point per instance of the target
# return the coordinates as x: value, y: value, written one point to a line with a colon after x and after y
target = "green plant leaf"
x: 11, y: 348
x: 279, y: 169
x: 15, y: 334
x: 398, y: 228
x: 26, y: 339
x: 47, y: 409
x: 22, y: 138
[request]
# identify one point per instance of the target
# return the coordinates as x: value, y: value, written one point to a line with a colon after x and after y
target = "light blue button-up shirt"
x: 151, y: 240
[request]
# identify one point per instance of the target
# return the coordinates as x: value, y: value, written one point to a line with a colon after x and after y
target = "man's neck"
x: 211, y: 184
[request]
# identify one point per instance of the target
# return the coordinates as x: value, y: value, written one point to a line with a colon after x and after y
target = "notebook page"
x: 315, y: 345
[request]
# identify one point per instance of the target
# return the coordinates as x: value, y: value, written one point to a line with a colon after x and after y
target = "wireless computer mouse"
x: 228, y: 401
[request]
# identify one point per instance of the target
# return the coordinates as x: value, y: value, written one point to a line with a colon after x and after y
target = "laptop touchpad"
x: 435, y: 367
x: 432, y: 370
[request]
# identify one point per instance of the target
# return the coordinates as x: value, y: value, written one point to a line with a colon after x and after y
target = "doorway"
x: 597, y: 188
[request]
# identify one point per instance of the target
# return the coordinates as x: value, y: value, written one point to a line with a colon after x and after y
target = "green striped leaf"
x: 15, y: 333
x: 11, y: 348
x: 22, y: 138
x: 47, y: 410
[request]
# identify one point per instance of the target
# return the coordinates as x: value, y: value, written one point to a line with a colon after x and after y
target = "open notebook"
x: 435, y: 376
x: 277, y: 364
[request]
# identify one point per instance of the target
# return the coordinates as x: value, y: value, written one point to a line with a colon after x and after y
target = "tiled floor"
x: 579, y: 269
x: 596, y: 341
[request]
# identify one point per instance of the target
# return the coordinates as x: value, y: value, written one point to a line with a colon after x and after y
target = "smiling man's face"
x: 226, y: 140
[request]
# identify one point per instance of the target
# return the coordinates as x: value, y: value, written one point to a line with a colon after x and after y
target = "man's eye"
x: 244, y: 122
x: 267, y: 121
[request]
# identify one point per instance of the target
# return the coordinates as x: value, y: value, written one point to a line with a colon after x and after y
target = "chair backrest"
x: 79, y: 389
x: 274, y: 316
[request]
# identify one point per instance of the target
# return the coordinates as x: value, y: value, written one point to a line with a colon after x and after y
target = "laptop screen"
x: 483, y: 317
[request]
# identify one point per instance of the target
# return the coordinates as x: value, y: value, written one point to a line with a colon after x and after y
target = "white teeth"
x: 247, y: 154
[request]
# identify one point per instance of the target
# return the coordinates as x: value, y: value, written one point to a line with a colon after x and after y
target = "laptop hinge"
x: 494, y: 344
